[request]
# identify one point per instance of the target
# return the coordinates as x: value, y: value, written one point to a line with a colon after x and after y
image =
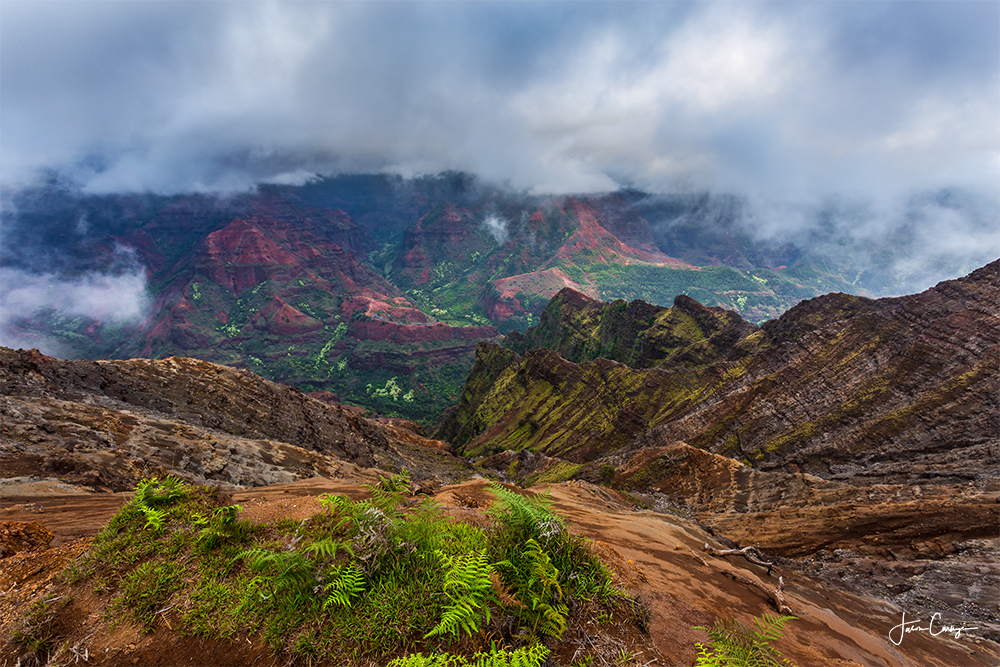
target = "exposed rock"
x: 887, y: 391
x: 866, y: 429
x: 108, y: 424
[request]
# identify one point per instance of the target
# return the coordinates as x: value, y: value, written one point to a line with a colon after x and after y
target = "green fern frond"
x: 469, y: 589
x: 152, y: 491
x: 526, y: 656
x: 228, y: 514
x: 544, y: 577
x: 534, y: 515
x: 734, y: 644
x: 154, y: 518
x: 348, y: 582
x: 421, y: 660
x: 290, y: 567
x: 327, y: 548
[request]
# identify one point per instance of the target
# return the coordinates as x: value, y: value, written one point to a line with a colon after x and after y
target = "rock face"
x: 637, y: 334
x: 446, y: 235
x: 862, y: 433
x: 110, y: 423
x: 887, y: 391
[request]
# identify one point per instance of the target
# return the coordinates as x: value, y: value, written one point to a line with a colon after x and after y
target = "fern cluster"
x: 734, y: 644
x: 527, y: 656
x: 544, y: 594
x: 543, y: 564
x: 530, y: 517
x: 153, y: 496
x: 348, y: 583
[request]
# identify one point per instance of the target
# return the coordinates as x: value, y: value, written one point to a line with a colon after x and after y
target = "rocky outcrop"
x: 637, y: 334
x: 446, y: 235
x: 887, y: 391
x: 860, y: 435
x: 107, y: 424
x: 929, y: 547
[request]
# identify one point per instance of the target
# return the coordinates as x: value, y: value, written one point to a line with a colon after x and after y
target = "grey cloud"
x: 792, y: 100
x: 111, y: 299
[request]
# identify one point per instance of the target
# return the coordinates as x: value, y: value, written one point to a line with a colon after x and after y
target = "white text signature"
x: 935, y: 627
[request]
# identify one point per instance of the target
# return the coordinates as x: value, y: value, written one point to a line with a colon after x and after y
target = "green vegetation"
x: 372, y: 579
x: 528, y: 656
x: 758, y: 295
x: 734, y: 644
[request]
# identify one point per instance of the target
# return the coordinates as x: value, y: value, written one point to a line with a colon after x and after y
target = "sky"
x: 842, y: 116
x: 787, y: 100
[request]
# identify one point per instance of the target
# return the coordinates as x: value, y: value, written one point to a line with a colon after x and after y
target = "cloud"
x: 116, y: 299
x: 796, y: 100
x: 497, y: 227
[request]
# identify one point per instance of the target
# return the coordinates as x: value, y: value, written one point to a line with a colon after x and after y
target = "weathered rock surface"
x: 860, y: 435
x: 110, y: 423
x: 887, y: 391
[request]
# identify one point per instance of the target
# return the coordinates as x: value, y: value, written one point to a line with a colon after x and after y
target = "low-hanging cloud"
x: 112, y: 299
x: 496, y: 225
x: 796, y: 100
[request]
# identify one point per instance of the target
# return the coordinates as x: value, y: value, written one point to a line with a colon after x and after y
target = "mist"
x: 785, y: 100
x: 119, y: 299
x: 497, y: 227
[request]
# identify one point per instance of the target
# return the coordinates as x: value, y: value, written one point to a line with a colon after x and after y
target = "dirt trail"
x: 651, y: 551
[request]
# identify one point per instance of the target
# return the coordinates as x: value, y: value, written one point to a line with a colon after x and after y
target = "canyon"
x: 850, y: 446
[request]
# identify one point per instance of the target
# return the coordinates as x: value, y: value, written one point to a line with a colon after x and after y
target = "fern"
x: 327, y: 549
x: 150, y: 494
x: 223, y: 526
x: 469, y: 589
x: 543, y: 594
x: 152, y: 491
x: 154, y: 517
x: 388, y: 492
x: 421, y: 660
x: 734, y: 644
x: 292, y: 569
x: 526, y: 656
x: 544, y: 577
x: 348, y: 583
x: 531, y: 517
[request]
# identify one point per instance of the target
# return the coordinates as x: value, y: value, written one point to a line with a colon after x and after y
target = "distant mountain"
x: 376, y: 288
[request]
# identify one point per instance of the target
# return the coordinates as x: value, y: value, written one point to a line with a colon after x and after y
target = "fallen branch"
x: 775, y: 595
x: 698, y: 558
x: 745, y: 552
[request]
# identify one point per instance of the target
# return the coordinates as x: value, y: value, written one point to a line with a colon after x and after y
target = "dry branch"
x: 775, y: 595
x: 698, y: 558
x: 745, y: 552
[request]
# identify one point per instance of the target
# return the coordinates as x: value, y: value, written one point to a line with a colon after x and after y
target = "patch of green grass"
x: 363, y: 580
x: 146, y: 590
x: 34, y: 634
